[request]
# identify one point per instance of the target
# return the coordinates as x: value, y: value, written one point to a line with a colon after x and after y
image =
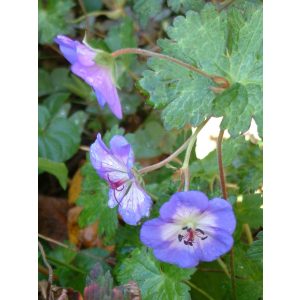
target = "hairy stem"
x: 185, y: 165
x: 220, y: 163
x: 173, y: 155
x: 198, y: 289
x: 224, y: 192
x: 217, y: 79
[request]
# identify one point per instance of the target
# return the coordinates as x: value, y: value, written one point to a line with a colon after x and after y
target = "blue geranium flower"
x: 98, y: 77
x: 115, y: 166
x: 190, y: 229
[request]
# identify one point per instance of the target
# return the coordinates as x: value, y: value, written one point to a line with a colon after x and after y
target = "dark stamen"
x: 199, y: 230
x: 180, y: 237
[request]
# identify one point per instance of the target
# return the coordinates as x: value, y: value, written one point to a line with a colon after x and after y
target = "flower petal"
x: 100, y: 98
x: 67, y: 47
x: 153, y: 232
x: 85, y: 55
x: 218, y: 243
x: 135, y: 204
x: 100, y: 79
x: 108, y: 166
x: 121, y: 148
x: 183, y: 256
x: 184, y: 204
x: 219, y: 214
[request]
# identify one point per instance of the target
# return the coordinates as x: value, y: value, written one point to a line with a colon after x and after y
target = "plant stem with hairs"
x: 221, y: 81
x: 186, y: 144
x: 224, y: 192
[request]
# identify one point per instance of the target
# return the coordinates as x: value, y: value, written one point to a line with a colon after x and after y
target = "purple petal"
x: 100, y: 98
x: 135, y: 204
x: 100, y: 79
x: 85, y: 55
x: 67, y: 47
x: 107, y: 88
x: 152, y: 233
x: 115, y: 196
x: 221, y: 212
x: 163, y: 237
x: 218, y: 243
x: 182, y: 255
x: 121, y: 148
x: 108, y: 166
x: 183, y: 204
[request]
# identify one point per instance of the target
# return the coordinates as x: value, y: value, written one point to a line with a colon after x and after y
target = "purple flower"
x: 98, y: 77
x: 190, y: 229
x: 115, y: 166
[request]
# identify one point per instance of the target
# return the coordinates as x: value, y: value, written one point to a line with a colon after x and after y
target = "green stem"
x: 185, y: 165
x: 217, y: 79
x: 224, y: 192
x: 248, y: 233
x: 173, y: 155
x: 61, y: 263
x: 115, y: 14
x: 224, y: 267
x: 199, y: 290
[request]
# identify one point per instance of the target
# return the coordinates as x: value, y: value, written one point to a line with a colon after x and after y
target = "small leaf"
x: 59, y: 138
x: 59, y: 170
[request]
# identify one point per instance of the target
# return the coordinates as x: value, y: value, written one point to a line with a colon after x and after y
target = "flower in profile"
x: 115, y: 165
x: 82, y: 59
x: 190, y: 229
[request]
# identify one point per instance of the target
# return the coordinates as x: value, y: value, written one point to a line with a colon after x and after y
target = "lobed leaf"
x: 156, y: 280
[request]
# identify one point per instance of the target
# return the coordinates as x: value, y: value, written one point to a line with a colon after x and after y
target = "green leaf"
x: 56, y: 81
x: 92, y: 5
x: 255, y: 252
x: 44, y: 79
x: 249, y: 211
x: 55, y: 101
x: 146, y: 9
x: 59, y: 138
x: 156, y: 280
x: 151, y: 140
x: 184, y: 95
x: 246, y: 68
x: 249, y: 287
x: 54, y: 19
x: 93, y: 198
x: 185, y: 5
x: 120, y: 36
x: 79, y: 118
x: 223, y: 44
x: 59, y: 170
x: 231, y: 104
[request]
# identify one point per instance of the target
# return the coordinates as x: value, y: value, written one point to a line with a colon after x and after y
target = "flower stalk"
x: 224, y: 192
x: 223, y: 82
x: 191, y: 140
